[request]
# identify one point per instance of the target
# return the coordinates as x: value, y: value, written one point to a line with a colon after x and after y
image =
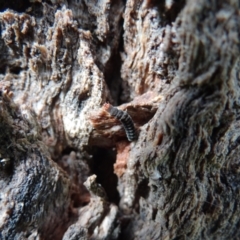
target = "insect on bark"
x: 125, y: 119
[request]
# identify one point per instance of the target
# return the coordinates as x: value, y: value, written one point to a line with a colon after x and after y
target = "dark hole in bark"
x: 142, y: 191
x: 102, y: 166
x: 154, y: 214
x: 6, y: 169
x: 15, y: 70
x: 113, y: 71
x: 2, y: 69
x: 168, y: 12
x: 21, y: 6
x: 172, y: 13
x: 179, y: 238
x: 82, y: 99
x: 223, y: 179
x: 17, y: 5
x: 67, y: 151
x: 126, y: 226
x: 37, y: 9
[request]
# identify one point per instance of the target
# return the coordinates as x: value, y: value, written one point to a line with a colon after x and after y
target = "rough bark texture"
x: 173, y: 66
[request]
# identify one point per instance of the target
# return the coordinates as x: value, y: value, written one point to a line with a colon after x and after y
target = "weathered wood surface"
x: 174, y: 66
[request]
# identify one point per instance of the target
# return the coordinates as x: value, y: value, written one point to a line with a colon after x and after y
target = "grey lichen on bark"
x: 178, y: 67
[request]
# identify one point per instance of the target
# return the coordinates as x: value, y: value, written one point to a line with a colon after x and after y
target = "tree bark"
x: 67, y: 169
